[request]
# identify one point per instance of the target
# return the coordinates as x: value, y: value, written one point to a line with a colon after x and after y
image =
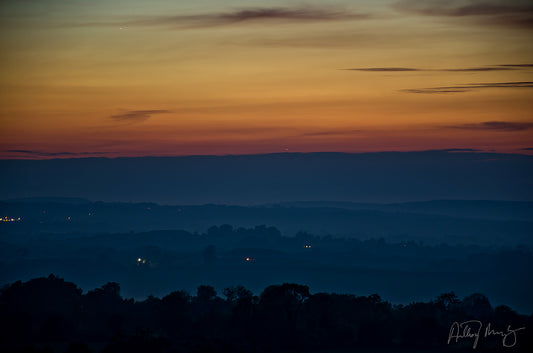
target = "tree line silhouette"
x: 53, y: 315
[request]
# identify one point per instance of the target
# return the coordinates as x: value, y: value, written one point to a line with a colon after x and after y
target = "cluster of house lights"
x: 9, y: 219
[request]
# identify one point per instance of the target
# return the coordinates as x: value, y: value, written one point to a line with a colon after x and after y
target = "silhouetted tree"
x: 280, y: 307
x: 477, y: 306
x: 173, y: 313
x: 103, y: 309
x: 285, y: 318
x: 447, y: 301
x: 44, y: 308
x: 205, y: 293
x: 78, y: 347
x: 141, y: 342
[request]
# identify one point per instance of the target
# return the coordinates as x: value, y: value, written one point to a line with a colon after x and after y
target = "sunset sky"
x: 170, y: 77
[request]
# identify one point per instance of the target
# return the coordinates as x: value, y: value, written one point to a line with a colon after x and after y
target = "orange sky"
x: 130, y: 78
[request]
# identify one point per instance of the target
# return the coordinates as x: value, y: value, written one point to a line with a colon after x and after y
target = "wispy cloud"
x: 516, y: 13
x: 518, y: 65
x: 469, y: 87
x: 502, y: 126
x: 435, y: 90
x: 332, y: 133
x: 527, y: 149
x: 383, y: 69
x: 468, y: 69
x: 54, y: 154
x: 523, y: 84
x: 251, y: 15
x: 460, y: 150
x: 136, y: 115
x: 476, y: 69
x: 463, y: 7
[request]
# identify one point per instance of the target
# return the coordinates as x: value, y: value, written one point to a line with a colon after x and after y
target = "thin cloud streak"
x: 501, y: 126
x: 54, y: 154
x: 469, y: 87
x: 298, y: 14
x: 460, y: 150
x: 518, y: 65
x: 435, y: 90
x: 461, y: 8
x: 332, y: 133
x: 469, y: 69
x: 383, y: 69
x: 523, y: 84
x: 137, y: 115
x: 500, y: 12
x: 475, y: 69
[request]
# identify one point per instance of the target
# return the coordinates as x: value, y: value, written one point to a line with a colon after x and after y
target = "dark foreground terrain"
x: 52, y: 315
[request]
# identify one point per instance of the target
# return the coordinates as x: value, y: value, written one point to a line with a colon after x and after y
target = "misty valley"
x: 403, y: 252
x: 308, y: 276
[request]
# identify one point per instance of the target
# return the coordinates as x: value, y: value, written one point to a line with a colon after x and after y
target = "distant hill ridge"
x: 487, y: 209
x: 385, y: 177
x: 466, y: 222
x: 52, y: 200
x: 484, y: 209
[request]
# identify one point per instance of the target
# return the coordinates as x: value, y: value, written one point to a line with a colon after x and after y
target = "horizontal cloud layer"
x: 469, y: 87
x: 332, y: 133
x: 297, y: 14
x: 383, y: 69
x: 137, y: 115
x: 54, y: 154
x: 516, y: 13
x: 503, y: 126
x: 467, y: 69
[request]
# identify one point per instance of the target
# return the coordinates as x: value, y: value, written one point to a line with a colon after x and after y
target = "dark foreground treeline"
x: 51, y: 315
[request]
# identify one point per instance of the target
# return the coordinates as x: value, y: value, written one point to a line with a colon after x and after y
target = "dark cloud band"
x: 462, y: 8
x: 514, y: 13
x: 332, y: 133
x: 383, y: 69
x: 469, y: 87
x: 296, y: 14
x: 137, y: 115
x: 54, y: 154
x: 468, y: 69
x: 501, y: 126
